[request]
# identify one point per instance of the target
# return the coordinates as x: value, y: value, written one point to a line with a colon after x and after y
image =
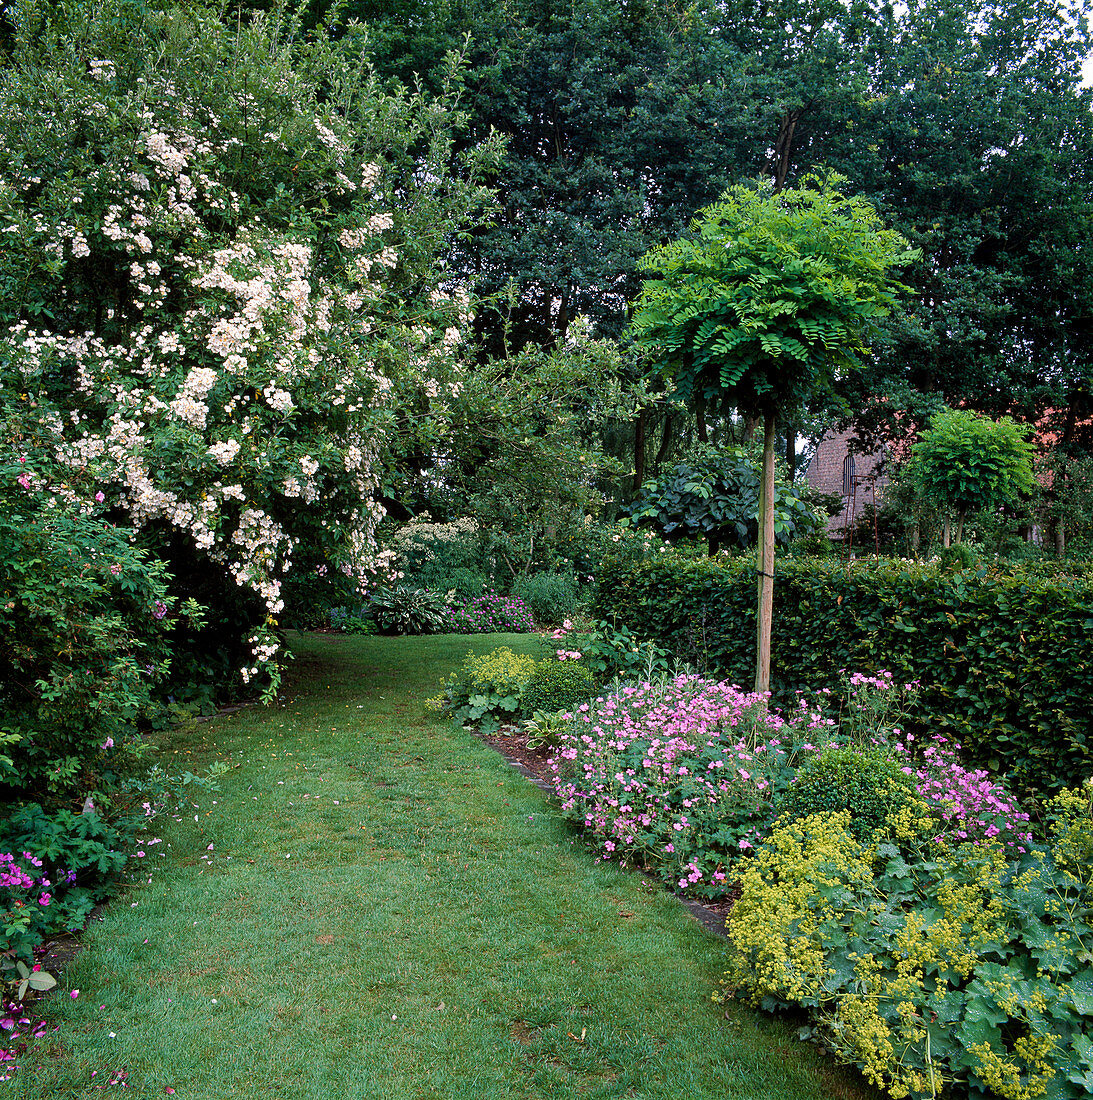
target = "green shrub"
x: 348, y: 620
x: 1003, y: 655
x: 552, y: 597
x: 925, y: 965
x: 557, y: 685
x: 611, y: 651
x: 430, y: 555
x: 467, y: 583
x: 406, y: 610
x: 73, y: 861
x: 83, y: 637
x: 867, y: 783
x: 310, y: 597
x: 487, y: 690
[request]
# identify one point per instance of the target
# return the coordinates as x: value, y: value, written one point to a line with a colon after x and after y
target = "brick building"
x: 857, y: 478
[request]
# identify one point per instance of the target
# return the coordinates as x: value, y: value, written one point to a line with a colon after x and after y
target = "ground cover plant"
x: 490, y: 613
x: 929, y: 964
x: 376, y: 905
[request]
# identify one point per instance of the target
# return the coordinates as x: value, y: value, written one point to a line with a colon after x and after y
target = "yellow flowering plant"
x: 927, y: 963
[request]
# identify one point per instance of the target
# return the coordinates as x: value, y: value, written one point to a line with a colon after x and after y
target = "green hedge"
x: 1004, y: 657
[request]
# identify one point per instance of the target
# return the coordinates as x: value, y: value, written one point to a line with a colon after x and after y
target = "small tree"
x: 770, y: 298
x: 967, y: 463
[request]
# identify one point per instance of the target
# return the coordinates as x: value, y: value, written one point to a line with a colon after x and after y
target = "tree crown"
x: 770, y: 296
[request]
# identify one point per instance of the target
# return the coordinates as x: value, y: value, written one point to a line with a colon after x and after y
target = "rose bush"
x: 221, y: 288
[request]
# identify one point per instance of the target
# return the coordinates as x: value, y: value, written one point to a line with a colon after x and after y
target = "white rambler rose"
x: 225, y: 451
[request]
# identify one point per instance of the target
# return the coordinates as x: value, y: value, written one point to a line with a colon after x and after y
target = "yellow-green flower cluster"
x: 926, y: 964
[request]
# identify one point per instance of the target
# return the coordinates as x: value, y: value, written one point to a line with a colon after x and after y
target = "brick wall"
x: 826, y: 472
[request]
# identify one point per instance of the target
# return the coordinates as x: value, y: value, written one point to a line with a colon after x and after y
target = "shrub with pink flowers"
x: 971, y: 804
x: 685, y: 775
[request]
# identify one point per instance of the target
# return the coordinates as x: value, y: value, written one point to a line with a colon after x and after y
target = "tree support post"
x: 766, y: 561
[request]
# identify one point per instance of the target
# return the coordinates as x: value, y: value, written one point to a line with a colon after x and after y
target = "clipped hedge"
x: 1004, y: 656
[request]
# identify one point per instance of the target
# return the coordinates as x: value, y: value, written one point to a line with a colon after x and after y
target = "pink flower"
x: 108, y: 743
x: 99, y: 497
x: 74, y: 994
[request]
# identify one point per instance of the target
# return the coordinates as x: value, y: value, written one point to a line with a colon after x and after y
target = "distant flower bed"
x: 489, y: 614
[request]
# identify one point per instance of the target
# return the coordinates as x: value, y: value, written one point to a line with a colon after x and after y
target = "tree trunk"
x: 960, y: 527
x: 945, y: 532
x: 700, y: 421
x: 639, y: 451
x: 791, y: 451
x: 1060, y: 537
x: 665, y: 442
x: 766, y: 561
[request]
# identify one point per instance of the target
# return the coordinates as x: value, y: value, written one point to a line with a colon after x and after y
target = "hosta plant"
x: 405, y: 610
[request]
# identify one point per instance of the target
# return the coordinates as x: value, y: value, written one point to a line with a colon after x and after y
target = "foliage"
x: 769, y: 297
x: 968, y: 463
x: 964, y: 121
x: 997, y: 233
x: 868, y: 784
x: 551, y: 597
x: 544, y: 729
x: 312, y: 593
x: 1000, y: 653
x: 714, y: 495
x: 610, y: 651
x: 924, y: 965
x: 84, y: 617
x: 429, y: 554
x: 524, y: 456
x: 67, y: 863
x: 489, y: 613
x: 405, y: 610
x: 488, y: 690
x: 170, y: 281
x: 347, y: 620
x: 557, y: 686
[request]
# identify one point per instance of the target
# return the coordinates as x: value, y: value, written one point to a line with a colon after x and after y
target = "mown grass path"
x: 388, y: 910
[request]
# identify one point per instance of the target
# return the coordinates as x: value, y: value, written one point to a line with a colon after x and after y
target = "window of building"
x: 848, y: 475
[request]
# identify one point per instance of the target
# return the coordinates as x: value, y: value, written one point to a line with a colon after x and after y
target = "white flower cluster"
x: 190, y: 404
x: 263, y: 348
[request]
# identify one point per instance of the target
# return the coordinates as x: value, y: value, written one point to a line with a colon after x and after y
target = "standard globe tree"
x: 769, y: 299
x: 966, y: 463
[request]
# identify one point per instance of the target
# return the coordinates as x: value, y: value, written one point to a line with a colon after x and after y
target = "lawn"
x: 378, y: 905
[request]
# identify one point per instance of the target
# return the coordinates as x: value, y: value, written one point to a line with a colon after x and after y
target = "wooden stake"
x: 766, y: 561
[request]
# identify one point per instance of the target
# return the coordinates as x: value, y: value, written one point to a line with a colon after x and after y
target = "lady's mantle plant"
x: 928, y: 963
x: 218, y: 258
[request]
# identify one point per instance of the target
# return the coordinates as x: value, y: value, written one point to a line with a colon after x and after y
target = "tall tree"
x: 767, y: 300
